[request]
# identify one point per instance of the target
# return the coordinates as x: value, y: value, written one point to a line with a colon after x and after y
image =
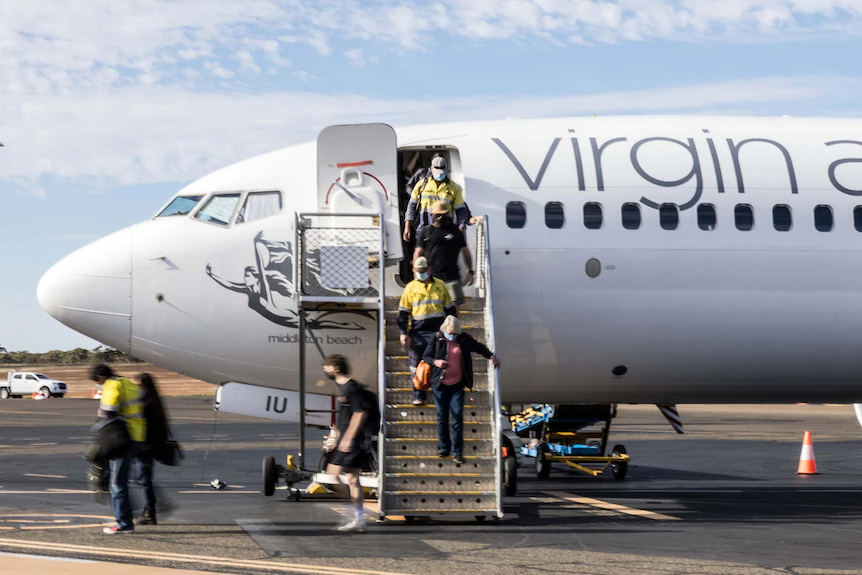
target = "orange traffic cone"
x: 97, y: 394
x: 807, y: 465
x: 38, y: 395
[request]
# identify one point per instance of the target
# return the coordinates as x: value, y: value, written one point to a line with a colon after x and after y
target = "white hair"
x: 451, y: 325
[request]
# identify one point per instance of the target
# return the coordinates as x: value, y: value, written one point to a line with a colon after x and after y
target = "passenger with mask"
x: 430, y: 190
x: 442, y: 244
x: 451, y: 373
x: 424, y: 305
x: 358, y: 423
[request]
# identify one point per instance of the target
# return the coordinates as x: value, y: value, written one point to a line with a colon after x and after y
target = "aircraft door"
x: 357, y: 173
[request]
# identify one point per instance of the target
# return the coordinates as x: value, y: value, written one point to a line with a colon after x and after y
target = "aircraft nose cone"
x: 90, y: 290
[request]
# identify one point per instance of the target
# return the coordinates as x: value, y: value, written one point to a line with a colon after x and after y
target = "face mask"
x: 423, y: 276
x: 450, y: 336
x: 445, y: 220
x: 440, y: 177
x: 328, y: 375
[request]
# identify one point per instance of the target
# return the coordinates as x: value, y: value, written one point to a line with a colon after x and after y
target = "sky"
x: 107, y: 108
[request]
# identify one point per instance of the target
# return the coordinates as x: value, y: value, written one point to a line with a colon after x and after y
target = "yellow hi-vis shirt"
x: 123, y: 397
x: 432, y: 192
x: 424, y: 303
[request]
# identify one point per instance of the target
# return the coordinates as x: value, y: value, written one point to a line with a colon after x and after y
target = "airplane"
x: 659, y: 260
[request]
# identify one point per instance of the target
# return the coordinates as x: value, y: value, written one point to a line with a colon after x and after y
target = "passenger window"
x: 259, y: 205
x: 857, y: 218
x: 781, y: 218
x: 631, y: 216
x: 744, y: 217
x: 706, y: 218
x: 555, y: 217
x: 823, y: 218
x: 668, y: 216
x: 592, y: 215
x: 181, y: 206
x: 219, y: 209
x: 516, y: 215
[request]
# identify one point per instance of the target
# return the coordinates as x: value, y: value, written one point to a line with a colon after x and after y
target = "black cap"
x: 101, y: 370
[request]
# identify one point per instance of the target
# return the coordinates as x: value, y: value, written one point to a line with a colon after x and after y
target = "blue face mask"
x: 440, y: 177
x: 423, y: 276
x: 450, y: 336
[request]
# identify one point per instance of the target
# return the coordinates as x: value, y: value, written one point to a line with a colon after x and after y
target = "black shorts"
x: 356, y: 459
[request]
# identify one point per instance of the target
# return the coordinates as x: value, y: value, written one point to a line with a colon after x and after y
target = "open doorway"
x: 414, y: 165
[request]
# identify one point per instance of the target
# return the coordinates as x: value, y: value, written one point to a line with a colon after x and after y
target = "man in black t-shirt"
x: 441, y: 243
x: 353, y: 440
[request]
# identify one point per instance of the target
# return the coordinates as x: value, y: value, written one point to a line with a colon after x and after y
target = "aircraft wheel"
x: 510, y: 476
x: 543, y: 466
x: 269, y: 476
x: 622, y: 467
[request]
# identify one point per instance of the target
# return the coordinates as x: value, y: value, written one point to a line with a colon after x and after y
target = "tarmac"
x: 722, y: 499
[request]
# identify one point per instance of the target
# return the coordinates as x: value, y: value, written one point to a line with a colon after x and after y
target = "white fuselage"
x: 693, y: 315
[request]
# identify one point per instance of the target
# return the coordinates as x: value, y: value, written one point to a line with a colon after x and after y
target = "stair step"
x: 428, y: 446
x: 441, y: 484
x: 400, y: 363
x: 429, y: 415
x: 452, y: 503
x: 470, y: 303
x: 473, y: 431
x: 432, y: 464
x: 404, y: 395
x: 393, y: 333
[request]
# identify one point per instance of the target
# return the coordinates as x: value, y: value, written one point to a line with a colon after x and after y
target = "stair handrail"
x: 485, y: 290
x: 381, y: 374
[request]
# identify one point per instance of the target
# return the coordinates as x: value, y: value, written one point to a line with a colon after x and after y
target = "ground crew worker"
x: 442, y: 243
x: 424, y: 305
x: 430, y: 190
x: 121, y: 398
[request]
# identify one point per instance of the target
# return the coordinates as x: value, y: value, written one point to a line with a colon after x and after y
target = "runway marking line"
x: 599, y: 504
x: 192, y: 559
x: 10, y: 518
x: 48, y: 476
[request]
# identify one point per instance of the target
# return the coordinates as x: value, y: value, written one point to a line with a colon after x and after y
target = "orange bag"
x: 422, y: 378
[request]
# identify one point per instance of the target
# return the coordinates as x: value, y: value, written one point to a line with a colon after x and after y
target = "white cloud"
x: 356, y: 56
x: 136, y: 135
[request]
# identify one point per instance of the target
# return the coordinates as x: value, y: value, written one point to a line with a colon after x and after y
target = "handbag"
x: 422, y: 378
x: 112, y: 438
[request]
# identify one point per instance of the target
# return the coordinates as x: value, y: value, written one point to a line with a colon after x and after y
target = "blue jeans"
x: 144, y: 477
x: 450, y: 398
x: 119, y: 488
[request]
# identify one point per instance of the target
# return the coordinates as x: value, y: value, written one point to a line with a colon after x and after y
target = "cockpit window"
x: 219, y: 209
x: 259, y: 205
x: 181, y: 206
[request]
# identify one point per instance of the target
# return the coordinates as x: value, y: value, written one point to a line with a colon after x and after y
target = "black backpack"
x: 372, y: 424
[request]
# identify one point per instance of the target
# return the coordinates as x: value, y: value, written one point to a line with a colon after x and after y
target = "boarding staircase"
x: 415, y: 481
x: 412, y: 481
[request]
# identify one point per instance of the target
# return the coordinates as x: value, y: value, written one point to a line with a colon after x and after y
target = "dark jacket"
x: 439, y: 349
x: 157, y: 421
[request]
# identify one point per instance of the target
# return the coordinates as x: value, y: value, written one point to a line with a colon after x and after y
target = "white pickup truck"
x: 20, y: 383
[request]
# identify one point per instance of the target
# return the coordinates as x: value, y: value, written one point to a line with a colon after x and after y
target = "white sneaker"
x: 353, y: 526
